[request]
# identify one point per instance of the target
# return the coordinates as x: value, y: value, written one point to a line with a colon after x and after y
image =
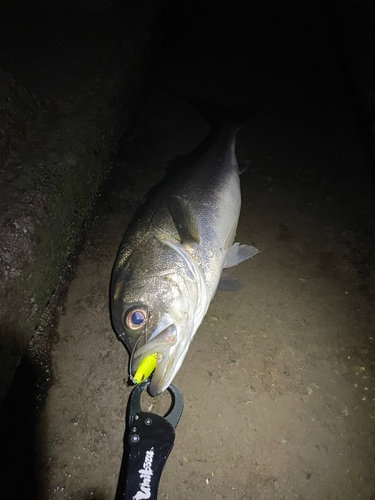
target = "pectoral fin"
x: 183, y: 220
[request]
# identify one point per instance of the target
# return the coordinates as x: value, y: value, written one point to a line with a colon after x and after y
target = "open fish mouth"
x: 160, y: 343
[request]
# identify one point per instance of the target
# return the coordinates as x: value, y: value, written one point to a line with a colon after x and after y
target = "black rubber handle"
x: 148, y: 442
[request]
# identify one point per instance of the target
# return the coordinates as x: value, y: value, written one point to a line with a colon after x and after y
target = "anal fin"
x: 243, y: 166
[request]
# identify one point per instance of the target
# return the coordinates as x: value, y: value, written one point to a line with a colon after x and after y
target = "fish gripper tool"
x: 148, y: 441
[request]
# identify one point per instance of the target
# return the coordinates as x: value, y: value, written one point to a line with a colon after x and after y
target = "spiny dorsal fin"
x: 183, y: 220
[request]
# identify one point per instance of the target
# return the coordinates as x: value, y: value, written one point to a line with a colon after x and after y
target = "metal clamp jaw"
x: 148, y: 440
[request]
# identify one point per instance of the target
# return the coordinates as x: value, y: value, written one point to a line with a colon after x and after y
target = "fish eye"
x: 136, y: 318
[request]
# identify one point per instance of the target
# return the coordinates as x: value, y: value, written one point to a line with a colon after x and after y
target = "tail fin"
x: 216, y: 113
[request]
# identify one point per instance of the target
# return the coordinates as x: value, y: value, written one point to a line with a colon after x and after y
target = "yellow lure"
x: 145, y: 368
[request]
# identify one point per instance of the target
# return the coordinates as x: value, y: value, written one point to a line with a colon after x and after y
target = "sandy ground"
x: 279, y: 381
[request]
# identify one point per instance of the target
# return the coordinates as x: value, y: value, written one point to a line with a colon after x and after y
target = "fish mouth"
x: 161, y: 342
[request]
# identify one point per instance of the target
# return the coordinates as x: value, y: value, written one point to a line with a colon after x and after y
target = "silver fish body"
x: 169, y: 263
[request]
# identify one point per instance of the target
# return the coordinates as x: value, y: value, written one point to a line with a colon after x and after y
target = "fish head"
x: 155, y: 313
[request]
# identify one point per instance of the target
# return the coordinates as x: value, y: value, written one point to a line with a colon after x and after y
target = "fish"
x: 172, y: 256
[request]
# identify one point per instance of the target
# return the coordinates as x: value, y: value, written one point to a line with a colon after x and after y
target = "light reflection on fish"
x: 174, y: 250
